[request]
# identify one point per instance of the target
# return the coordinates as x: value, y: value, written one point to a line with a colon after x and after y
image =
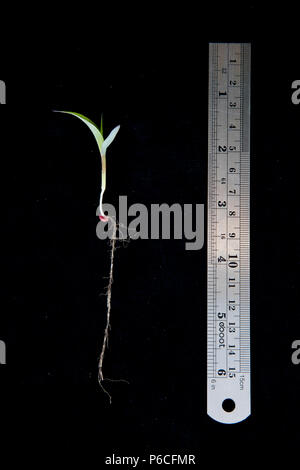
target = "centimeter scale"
x: 228, y: 284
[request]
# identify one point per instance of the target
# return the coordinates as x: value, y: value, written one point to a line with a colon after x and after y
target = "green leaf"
x: 91, y: 125
x: 109, y: 140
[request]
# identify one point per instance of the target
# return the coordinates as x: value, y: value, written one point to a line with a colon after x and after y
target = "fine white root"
x: 115, y: 228
x: 108, y: 306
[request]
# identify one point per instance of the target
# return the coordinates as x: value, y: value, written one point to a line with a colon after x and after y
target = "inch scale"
x: 228, y: 283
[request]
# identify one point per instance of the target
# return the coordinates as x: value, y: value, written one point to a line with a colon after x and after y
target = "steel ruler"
x: 228, y: 283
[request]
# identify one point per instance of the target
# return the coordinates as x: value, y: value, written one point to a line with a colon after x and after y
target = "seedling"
x: 103, y: 145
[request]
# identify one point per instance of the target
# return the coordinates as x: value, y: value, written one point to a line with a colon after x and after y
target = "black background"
x: 147, y: 71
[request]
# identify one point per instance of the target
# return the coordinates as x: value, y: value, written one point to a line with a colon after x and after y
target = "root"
x: 101, y: 378
x: 108, y: 306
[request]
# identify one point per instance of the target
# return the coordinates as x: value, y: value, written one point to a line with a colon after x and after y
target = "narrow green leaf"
x: 109, y: 140
x: 92, y: 126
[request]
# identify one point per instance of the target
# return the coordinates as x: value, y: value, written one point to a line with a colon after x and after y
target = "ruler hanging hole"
x: 228, y: 405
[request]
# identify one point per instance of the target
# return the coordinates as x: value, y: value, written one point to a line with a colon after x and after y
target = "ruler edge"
x: 245, y: 196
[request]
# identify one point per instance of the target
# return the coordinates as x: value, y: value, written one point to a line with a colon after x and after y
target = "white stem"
x: 101, y: 202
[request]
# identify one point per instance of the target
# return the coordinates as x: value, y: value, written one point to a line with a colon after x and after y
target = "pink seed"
x: 103, y: 219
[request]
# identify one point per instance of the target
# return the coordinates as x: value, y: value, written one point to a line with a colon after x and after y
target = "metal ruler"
x: 228, y: 283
